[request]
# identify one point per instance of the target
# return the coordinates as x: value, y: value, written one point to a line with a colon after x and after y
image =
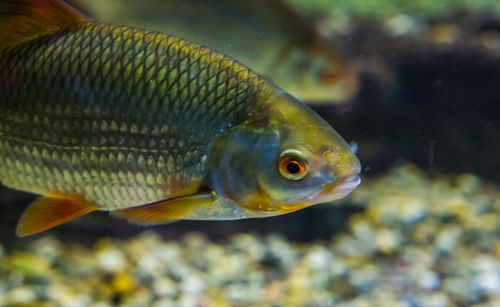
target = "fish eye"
x: 292, y: 165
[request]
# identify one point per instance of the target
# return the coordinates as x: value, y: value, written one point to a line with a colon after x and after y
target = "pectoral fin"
x: 49, y: 211
x: 165, y: 211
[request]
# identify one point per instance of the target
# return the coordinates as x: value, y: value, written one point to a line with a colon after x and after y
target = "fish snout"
x: 345, y: 164
x: 345, y: 168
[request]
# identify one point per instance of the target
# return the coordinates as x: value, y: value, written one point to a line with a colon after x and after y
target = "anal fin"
x: 50, y: 211
x: 164, y: 211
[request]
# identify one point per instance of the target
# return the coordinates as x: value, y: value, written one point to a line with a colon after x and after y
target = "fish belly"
x: 120, y: 116
x: 50, y: 169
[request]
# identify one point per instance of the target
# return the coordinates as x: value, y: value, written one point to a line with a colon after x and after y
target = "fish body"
x: 269, y: 36
x: 118, y: 107
x: 150, y: 127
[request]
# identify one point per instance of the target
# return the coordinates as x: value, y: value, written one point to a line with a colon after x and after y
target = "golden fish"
x: 269, y: 36
x: 150, y: 127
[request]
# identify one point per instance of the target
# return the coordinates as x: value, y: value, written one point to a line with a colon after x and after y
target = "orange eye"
x: 292, y: 166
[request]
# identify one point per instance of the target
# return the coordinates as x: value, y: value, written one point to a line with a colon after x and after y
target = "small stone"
x: 29, y: 265
x: 321, y: 298
x: 189, y: 300
x: 274, y: 291
x: 237, y: 292
x: 387, y: 241
x: 123, y: 283
x: 165, y: 287
x: 467, y: 184
x: 364, y: 278
x: 488, y: 282
x: 140, y: 297
x: 47, y: 247
x: 496, y: 249
x: 192, y: 284
x: 110, y: 258
x: 165, y: 302
x: 357, y: 302
x: 280, y: 247
x: 195, y: 241
x: 20, y: 295
x: 249, y: 244
x: 66, y: 295
x: 318, y: 258
x: 448, y: 238
x: 298, y: 286
x: 437, y: 299
x: 458, y: 287
x: 428, y: 280
x: 338, y: 267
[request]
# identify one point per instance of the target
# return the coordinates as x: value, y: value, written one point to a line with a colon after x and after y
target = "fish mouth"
x: 331, y: 191
x: 338, y: 189
x: 348, y: 184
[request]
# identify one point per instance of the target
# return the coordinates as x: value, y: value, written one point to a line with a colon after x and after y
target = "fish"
x: 270, y: 36
x: 150, y: 127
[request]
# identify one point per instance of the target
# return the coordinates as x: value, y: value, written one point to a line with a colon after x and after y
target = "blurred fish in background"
x: 269, y: 36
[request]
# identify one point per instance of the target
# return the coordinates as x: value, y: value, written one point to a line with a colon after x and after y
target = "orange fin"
x: 47, y: 212
x: 164, y: 211
x: 21, y: 20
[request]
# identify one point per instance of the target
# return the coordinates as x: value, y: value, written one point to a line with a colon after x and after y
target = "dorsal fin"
x: 21, y: 20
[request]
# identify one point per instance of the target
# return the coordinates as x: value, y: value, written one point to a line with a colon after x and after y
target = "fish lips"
x: 337, y: 189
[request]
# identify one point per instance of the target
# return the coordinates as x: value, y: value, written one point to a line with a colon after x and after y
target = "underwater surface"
x: 414, y: 85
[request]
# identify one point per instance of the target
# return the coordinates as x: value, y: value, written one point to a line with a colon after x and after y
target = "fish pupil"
x: 293, y: 167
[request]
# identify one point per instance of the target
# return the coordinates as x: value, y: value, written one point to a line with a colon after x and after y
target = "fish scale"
x: 114, y: 113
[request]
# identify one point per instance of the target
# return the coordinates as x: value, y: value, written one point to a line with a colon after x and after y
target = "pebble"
x: 109, y: 258
x: 19, y: 295
x: 318, y: 258
x: 165, y: 287
x: 428, y: 280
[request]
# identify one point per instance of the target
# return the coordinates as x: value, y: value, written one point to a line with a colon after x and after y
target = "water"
x: 421, y: 230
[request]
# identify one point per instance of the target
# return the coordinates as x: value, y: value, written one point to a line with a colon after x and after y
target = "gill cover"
x: 236, y: 161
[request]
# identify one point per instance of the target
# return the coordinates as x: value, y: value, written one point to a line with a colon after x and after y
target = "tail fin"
x: 21, y: 20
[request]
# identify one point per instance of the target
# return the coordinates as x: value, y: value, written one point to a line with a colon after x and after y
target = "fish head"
x: 315, y: 75
x: 284, y: 159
